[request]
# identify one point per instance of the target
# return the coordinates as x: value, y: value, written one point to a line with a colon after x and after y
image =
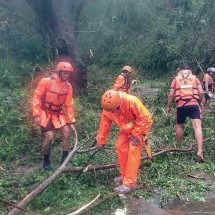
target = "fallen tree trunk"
x: 63, y: 169
x: 13, y: 205
x: 37, y: 191
x: 111, y: 166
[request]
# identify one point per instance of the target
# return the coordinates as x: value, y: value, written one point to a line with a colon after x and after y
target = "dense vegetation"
x: 152, y: 36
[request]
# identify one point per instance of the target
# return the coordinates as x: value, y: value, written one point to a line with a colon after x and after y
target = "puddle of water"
x: 139, y: 206
x: 121, y: 211
x: 195, y: 207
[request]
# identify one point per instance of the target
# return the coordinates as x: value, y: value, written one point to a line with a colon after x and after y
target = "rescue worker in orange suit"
x: 135, y: 122
x: 122, y: 82
x: 188, y: 93
x: 53, y: 109
x: 208, y: 87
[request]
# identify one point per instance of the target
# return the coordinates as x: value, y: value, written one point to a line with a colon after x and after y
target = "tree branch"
x: 63, y: 169
x: 111, y: 166
x: 23, y: 209
x: 37, y: 191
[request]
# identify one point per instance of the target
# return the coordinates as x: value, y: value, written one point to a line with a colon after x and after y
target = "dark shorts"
x: 49, y: 127
x: 191, y: 111
x: 206, y: 96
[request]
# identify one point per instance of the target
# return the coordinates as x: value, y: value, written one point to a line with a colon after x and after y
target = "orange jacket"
x: 122, y: 83
x: 53, y: 100
x: 210, y: 82
x: 133, y: 118
x: 186, y: 89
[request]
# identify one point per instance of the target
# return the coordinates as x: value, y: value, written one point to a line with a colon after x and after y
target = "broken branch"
x: 23, y: 209
x: 84, y: 207
x: 37, y: 191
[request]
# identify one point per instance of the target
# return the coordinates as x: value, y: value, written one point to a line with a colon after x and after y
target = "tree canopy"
x: 98, y: 37
x: 154, y: 36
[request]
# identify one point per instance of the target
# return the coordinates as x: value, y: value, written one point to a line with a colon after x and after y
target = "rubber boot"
x: 47, y: 165
x: 123, y: 189
x: 64, y: 156
x: 46, y: 162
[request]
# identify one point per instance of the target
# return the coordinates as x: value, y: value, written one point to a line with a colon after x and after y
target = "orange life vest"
x: 53, y: 101
x: 184, y: 71
x: 186, y: 88
x: 126, y: 85
x: 54, y: 96
x: 210, y: 83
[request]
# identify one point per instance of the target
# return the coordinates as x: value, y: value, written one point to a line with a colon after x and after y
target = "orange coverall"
x: 53, y: 100
x: 122, y: 83
x: 134, y: 120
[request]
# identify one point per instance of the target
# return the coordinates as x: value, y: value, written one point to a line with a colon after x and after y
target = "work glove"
x: 210, y: 94
x: 134, y: 141
x: 94, y: 143
x: 168, y: 109
x: 37, y: 120
x: 100, y: 146
x: 145, y: 139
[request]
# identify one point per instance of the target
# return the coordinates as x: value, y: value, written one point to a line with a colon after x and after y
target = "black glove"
x: 134, y: 141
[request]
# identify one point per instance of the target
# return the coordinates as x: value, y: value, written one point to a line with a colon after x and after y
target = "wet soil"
x: 140, y: 206
x: 194, y: 207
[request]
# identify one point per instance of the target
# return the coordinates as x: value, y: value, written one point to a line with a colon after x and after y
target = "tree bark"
x: 111, y: 166
x: 59, y: 18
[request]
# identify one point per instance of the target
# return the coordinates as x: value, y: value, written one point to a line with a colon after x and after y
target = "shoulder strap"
x: 52, y: 77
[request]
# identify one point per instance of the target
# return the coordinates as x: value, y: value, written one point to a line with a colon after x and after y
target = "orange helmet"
x: 64, y: 66
x: 127, y: 68
x: 110, y: 100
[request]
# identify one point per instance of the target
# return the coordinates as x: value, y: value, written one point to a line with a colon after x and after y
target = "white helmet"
x: 211, y: 69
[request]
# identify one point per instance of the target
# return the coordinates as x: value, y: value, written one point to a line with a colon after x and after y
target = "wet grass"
x: 20, y: 156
